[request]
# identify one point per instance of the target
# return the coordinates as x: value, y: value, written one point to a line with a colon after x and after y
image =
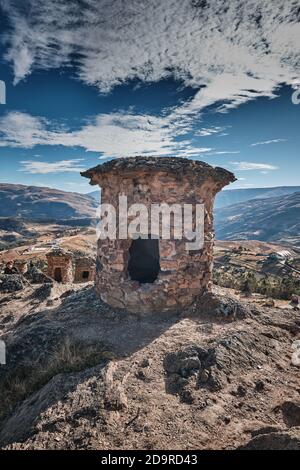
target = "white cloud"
x: 224, y: 152
x: 267, y: 142
x: 245, y: 185
x: 247, y: 166
x: 44, y: 168
x: 114, y: 135
x: 231, y: 52
x: 207, y: 131
x: 237, y: 50
x: 21, y: 130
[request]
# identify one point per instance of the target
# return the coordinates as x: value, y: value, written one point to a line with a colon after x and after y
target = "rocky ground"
x: 82, y: 376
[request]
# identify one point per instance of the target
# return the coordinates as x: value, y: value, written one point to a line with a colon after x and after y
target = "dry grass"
x: 27, y: 378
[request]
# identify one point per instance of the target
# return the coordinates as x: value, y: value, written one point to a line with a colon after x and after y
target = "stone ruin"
x: 60, y: 265
x: 154, y: 274
x: 84, y: 269
x: 65, y: 267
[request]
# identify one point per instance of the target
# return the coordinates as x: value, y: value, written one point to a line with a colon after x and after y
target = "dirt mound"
x: 214, y: 366
x: 24, y: 423
x: 217, y: 303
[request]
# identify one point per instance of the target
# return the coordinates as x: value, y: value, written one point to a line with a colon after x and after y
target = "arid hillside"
x: 275, y: 220
x: 32, y: 202
x: 80, y: 375
x: 228, y: 197
x: 26, y: 212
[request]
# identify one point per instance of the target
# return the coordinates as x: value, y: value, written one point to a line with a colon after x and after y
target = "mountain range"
x: 229, y: 197
x: 235, y: 196
x: 32, y: 202
x: 275, y: 219
x: 266, y: 214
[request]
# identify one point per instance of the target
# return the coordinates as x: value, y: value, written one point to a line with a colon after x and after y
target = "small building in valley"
x: 84, y: 269
x: 67, y: 267
x: 60, y: 265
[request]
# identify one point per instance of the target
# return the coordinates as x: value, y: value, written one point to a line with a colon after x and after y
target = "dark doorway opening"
x: 143, y: 263
x: 58, y: 275
x: 85, y: 274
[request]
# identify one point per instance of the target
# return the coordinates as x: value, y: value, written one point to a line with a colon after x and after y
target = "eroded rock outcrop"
x: 11, y: 282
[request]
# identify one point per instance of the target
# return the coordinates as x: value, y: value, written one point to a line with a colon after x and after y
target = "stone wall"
x: 84, y: 270
x: 63, y: 262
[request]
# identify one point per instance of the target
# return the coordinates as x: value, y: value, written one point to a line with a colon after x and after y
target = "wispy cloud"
x: 230, y: 54
x: 113, y: 135
x: 267, y: 142
x: 44, y: 168
x: 224, y: 152
x: 237, y: 52
x: 21, y: 130
x: 207, y: 131
x: 248, y: 166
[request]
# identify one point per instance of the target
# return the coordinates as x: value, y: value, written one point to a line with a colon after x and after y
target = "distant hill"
x: 235, y: 196
x: 31, y: 202
x: 275, y: 219
x: 271, y: 219
x: 95, y: 195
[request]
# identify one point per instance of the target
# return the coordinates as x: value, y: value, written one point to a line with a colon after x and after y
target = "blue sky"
x: 77, y: 97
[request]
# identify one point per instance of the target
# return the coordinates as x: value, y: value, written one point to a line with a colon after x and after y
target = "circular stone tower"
x: 152, y: 273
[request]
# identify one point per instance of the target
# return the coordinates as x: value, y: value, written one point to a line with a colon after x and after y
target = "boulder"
x: 35, y: 276
x: 11, y: 282
x: 280, y: 440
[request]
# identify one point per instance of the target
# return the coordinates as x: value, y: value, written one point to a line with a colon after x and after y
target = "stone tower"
x: 155, y: 274
x: 84, y: 269
x: 60, y: 265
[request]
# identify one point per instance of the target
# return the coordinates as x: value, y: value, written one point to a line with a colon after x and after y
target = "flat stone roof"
x: 181, y: 167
